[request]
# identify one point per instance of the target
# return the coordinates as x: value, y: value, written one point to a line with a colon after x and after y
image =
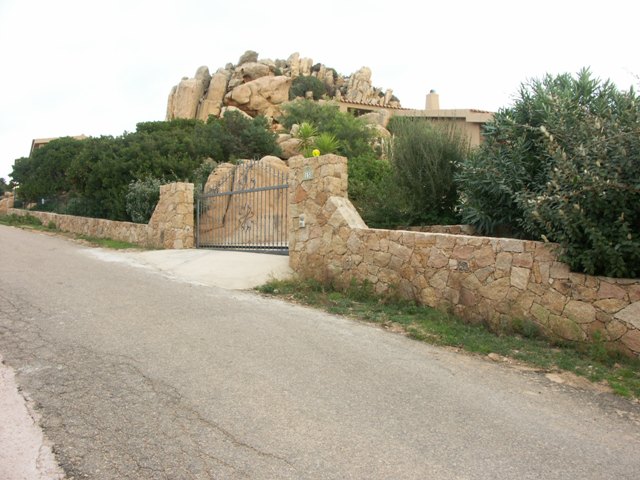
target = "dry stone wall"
x: 171, y: 225
x: 481, y: 279
x: 6, y: 202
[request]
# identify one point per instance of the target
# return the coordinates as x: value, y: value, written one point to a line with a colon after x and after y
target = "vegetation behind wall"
x: 563, y: 165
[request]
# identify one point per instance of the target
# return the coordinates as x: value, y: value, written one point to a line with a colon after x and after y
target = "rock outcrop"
x: 185, y: 97
x: 260, y: 87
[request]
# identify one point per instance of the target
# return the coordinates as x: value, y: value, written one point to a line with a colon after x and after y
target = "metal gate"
x: 246, y: 210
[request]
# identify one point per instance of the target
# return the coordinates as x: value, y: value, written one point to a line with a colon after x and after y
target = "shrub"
x: 142, y: 198
x: 306, y: 133
x: 355, y: 137
x: 303, y: 84
x: 201, y: 174
x: 563, y: 165
x: 326, y: 143
x: 424, y: 157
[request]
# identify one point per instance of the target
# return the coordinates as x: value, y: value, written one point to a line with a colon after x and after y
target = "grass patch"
x: 14, y: 220
x: 521, y: 341
x: 107, y: 242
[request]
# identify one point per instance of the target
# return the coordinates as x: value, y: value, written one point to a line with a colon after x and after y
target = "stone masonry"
x: 6, y: 202
x: 481, y: 279
x: 171, y: 225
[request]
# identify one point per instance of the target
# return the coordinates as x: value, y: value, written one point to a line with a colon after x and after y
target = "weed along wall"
x: 478, y: 278
x: 171, y: 225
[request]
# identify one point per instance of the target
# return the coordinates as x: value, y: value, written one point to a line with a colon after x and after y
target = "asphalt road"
x: 139, y: 376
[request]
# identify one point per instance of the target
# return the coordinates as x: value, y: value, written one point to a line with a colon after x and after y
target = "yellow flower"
x: 316, y: 152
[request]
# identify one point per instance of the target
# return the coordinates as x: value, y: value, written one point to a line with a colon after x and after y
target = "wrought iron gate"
x: 245, y: 210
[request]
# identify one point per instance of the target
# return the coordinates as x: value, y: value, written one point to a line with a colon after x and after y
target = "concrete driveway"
x: 233, y: 270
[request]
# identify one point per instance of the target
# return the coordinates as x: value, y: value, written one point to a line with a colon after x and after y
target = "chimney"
x: 433, y: 101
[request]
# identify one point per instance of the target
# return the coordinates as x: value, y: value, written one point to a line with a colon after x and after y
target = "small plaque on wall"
x: 307, y: 173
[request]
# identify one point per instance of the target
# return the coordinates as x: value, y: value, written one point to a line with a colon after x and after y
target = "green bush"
x: 303, y: 84
x: 375, y: 194
x: 201, y: 174
x: 142, y: 198
x: 425, y: 157
x: 353, y: 134
x: 563, y: 165
x: 326, y: 143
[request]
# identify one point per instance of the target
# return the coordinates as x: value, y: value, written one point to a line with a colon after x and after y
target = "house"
x: 37, y: 143
x: 468, y: 120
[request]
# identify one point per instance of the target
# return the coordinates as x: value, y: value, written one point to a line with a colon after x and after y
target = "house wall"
x: 481, y: 279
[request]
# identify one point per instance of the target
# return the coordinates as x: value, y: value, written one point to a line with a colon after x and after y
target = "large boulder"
x: 224, y: 111
x: 260, y: 86
x: 185, y: 97
x: 212, y: 103
x: 261, y: 96
x: 290, y: 146
x: 252, y: 70
x: 359, y: 88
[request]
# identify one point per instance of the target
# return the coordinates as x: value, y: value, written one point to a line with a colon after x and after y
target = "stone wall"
x: 6, y: 202
x: 171, y: 225
x: 484, y: 279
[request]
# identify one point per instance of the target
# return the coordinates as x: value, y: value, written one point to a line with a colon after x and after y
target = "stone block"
x: 400, y: 251
x: 408, y: 239
x: 559, y: 270
x: 396, y: 263
x: 525, y: 302
x: 467, y: 297
x: 520, y: 277
x: 554, y: 301
x: 544, y: 253
x: 634, y: 293
x: 437, y: 259
x: 354, y: 244
x: 424, y: 241
x: 510, y: 245
x: 566, y: 329
x: 630, y: 314
x: 471, y: 282
x: 452, y: 295
x: 524, y: 260
x: 484, y: 273
x: 608, y: 290
x: 462, y: 252
x: 580, y: 312
x: 577, y: 278
x: 631, y: 340
x: 496, y: 290
x: 611, y: 305
x: 504, y: 261
x: 484, y: 257
x: 616, y: 329
x: 444, y: 241
x: 439, y: 280
x: 561, y: 286
x: 580, y: 292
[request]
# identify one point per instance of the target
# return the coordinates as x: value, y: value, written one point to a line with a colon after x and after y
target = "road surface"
x: 137, y: 375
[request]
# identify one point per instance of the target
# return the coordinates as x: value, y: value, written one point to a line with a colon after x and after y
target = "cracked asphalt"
x: 139, y: 376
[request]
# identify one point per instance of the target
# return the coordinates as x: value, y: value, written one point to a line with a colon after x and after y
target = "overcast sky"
x: 99, y: 67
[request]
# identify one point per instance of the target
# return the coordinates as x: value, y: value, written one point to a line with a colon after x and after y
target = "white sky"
x: 99, y: 67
